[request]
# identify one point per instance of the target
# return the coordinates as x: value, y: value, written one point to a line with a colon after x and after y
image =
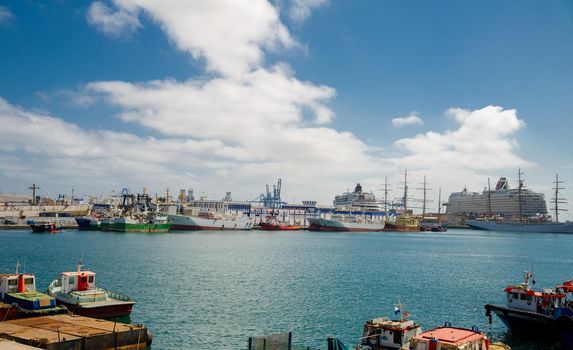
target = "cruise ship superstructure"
x: 357, y: 200
x: 501, y: 201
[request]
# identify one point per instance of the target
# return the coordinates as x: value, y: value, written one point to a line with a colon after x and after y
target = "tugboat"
x: 77, y: 291
x: 453, y: 338
x: 528, y: 311
x: 404, y: 224
x: 19, y: 290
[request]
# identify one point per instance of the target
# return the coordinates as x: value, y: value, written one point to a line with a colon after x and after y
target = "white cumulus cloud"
x: 115, y: 23
x: 409, y: 120
x: 300, y: 10
x: 230, y: 35
x: 5, y: 14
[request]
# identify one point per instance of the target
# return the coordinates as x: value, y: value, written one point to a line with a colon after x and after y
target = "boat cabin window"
x: 71, y: 280
x: 513, y: 296
x: 13, y: 282
x: 29, y: 280
x: 526, y: 297
x: 91, y: 279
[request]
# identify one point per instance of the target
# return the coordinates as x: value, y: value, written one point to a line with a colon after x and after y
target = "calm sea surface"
x: 213, y: 290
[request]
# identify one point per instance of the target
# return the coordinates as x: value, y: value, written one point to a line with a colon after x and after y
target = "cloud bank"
x: 247, y: 124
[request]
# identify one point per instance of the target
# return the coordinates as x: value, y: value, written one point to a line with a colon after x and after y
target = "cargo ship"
x: 139, y: 222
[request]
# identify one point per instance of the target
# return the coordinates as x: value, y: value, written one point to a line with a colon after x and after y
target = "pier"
x: 63, y: 332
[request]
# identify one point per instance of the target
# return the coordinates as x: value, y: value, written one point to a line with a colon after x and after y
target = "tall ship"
x: 357, y: 200
x: 524, y: 221
x: 502, y: 201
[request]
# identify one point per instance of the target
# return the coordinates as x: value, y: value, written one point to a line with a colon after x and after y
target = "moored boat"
x: 78, y: 292
x: 452, y: 338
x: 83, y: 222
x: 524, y: 226
x: 403, y: 224
x: 342, y: 225
x: 139, y: 222
x: 563, y: 314
x: 209, y: 222
x: 384, y: 333
x: 45, y: 227
x: 268, y: 226
x: 528, y: 312
x: 19, y: 290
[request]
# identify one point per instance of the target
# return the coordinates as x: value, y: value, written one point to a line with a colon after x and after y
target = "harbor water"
x: 212, y: 290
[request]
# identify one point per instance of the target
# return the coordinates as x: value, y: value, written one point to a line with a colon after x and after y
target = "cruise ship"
x: 503, y: 201
x: 357, y: 200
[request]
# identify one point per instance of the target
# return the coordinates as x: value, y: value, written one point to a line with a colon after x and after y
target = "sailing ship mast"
x: 425, y: 190
x: 386, y: 190
x: 519, y: 186
x: 405, y: 190
x: 439, y: 203
x: 556, y: 200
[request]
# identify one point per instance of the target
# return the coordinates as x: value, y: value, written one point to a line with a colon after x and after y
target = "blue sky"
x: 322, y: 79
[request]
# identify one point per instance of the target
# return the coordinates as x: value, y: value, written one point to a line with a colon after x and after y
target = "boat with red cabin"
x: 528, y: 311
x: 453, y: 338
x: 77, y: 291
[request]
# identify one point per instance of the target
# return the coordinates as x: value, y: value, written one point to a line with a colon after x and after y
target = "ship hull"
x: 128, y: 225
x: 111, y: 311
x: 83, y: 223
x: 524, y: 322
x: 398, y: 228
x: 192, y: 223
x: 549, y: 227
x: 340, y: 226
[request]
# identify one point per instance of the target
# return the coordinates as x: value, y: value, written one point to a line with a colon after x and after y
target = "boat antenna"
x: 17, y: 266
x: 80, y: 263
x: 556, y: 200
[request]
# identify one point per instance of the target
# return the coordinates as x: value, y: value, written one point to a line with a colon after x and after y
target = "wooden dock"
x: 71, y: 332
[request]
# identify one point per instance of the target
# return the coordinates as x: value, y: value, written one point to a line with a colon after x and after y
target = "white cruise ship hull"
x: 548, y: 227
x: 187, y: 223
x: 319, y: 224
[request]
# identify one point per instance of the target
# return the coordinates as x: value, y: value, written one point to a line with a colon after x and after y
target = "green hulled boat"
x: 141, y: 222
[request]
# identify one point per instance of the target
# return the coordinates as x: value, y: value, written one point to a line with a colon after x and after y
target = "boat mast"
x: 386, y: 190
x: 425, y: 199
x: 439, y: 203
x: 519, y: 186
x: 405, y: 190
x: 556, y: 200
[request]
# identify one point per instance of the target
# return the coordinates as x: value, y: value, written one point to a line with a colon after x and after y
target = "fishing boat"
x: 453, y: 338
x: 78, y: 292
x: 209, y: 221
x: 528, y: 311
x: 19, y: 290
x: 269, y: 226
x: 384, y: 333
x: 148, y: 222
x: 45, y: 227
x: 345, y: 224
